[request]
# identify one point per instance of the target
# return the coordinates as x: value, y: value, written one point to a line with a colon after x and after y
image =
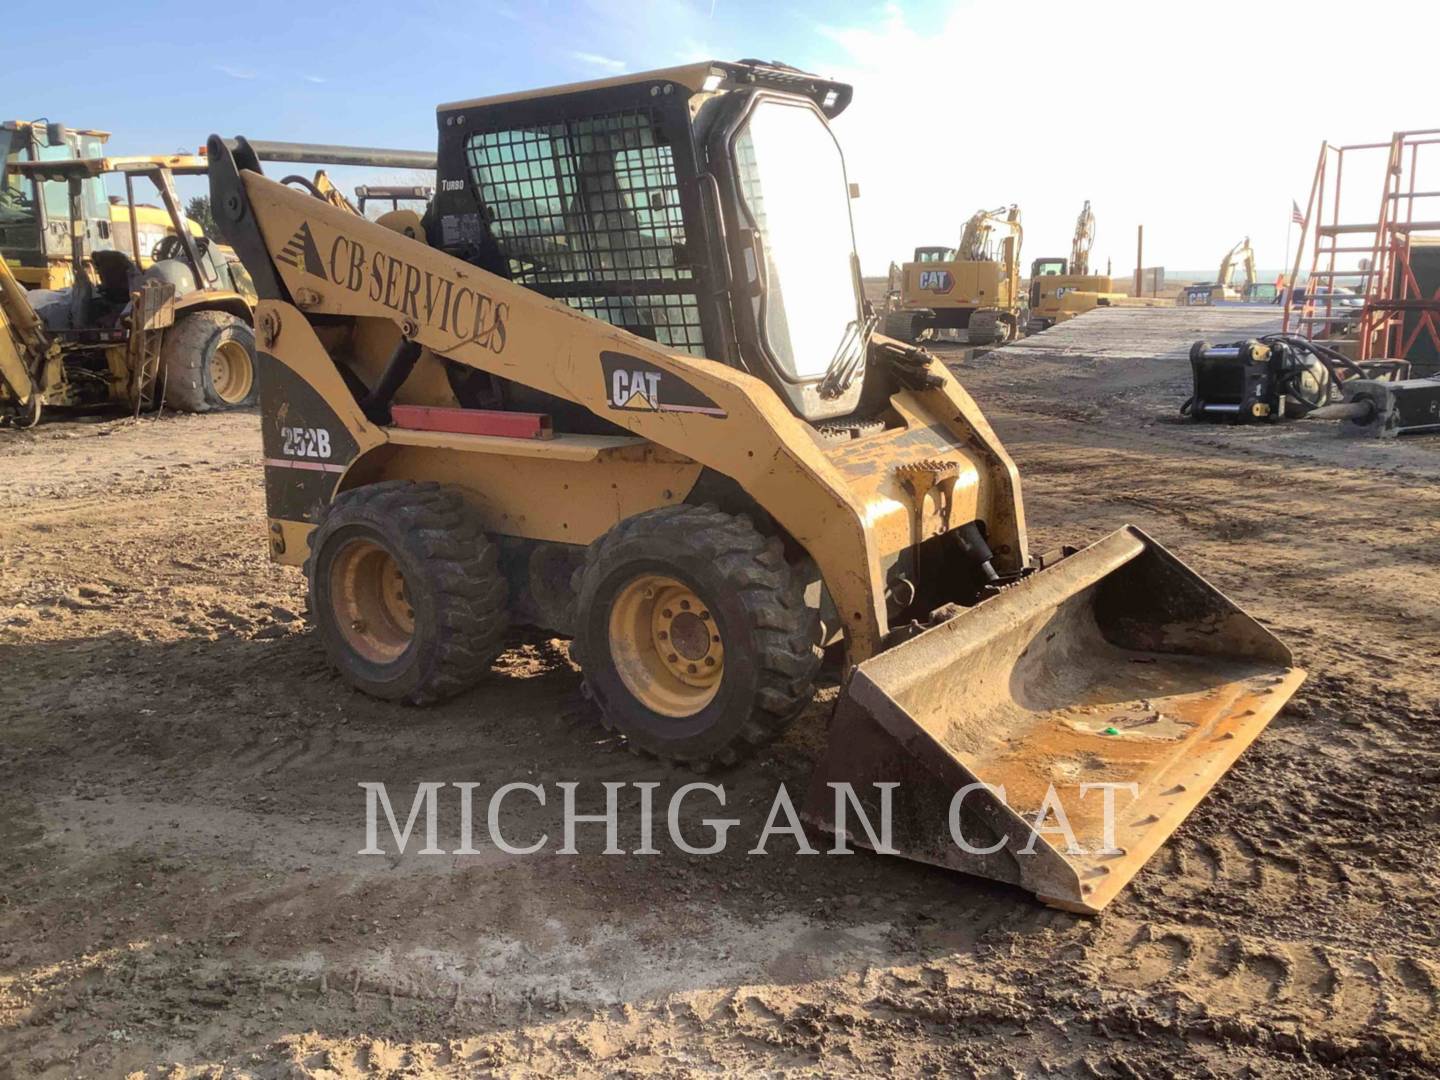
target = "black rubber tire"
x: 452, y: 579
x: 185, y: 354
x: 771, y: 638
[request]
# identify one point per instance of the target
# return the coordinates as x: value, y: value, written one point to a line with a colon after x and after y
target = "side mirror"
x: 56, y: 134
x: 854, y: 191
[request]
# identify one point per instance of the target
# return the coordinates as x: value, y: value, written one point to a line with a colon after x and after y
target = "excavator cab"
x: 1041, y: 268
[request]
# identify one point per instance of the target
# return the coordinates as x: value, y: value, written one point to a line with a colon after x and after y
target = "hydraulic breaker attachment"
x: 1054, y: 735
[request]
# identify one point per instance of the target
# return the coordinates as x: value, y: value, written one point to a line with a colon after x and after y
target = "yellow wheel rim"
x: 666, y: 645
x: 231, y: 372
x: 370, y: 601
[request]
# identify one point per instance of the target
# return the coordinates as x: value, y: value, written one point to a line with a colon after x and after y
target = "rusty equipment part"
x: 1117, y: 666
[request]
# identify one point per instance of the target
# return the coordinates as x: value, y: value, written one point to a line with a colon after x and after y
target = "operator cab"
x: 35, y: 229
x: 934, y: 255
x: 704, y: 207
x: 1044, y: 268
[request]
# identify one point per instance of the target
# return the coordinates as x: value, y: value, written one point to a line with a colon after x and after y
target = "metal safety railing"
x: 1386, y: 306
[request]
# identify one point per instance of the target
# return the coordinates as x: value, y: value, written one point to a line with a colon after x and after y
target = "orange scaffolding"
x: 1390, y: 308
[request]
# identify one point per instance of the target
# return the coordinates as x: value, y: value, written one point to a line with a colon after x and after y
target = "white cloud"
x: 596, y: 60
x: 1196, y: 123
x: 317, y: 79
x: 237, y: 72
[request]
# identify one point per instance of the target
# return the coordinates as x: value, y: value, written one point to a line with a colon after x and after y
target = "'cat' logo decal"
x: 635, y: 385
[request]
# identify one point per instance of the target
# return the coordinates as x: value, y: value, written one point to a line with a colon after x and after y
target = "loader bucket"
x: 1116, y: 666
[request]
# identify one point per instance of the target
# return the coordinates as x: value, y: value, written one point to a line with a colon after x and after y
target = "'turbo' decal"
x: 636, y: 385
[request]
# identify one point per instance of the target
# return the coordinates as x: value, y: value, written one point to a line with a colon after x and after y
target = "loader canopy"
x: 705, y: 208
x: 1055, y: 735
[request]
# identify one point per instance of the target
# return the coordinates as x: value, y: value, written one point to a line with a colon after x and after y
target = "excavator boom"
x: 1083, y: 241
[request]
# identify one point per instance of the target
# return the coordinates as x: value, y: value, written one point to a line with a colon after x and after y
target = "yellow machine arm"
x: 1082, y: 243
x: 23, y: 342
x: 977, y: 240
x: 1246, y: 255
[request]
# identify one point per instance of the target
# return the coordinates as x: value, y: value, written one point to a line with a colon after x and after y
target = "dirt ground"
x: 182, y: 895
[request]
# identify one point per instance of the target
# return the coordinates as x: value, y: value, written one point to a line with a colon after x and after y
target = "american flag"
x: 1295, y: 215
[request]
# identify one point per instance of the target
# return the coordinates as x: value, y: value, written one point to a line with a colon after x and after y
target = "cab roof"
x: 64, y: 168
x: 704, y: 76
x: 17, y: 125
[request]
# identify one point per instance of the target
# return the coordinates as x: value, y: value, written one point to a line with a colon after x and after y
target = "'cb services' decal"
x: 635, y: 385
x: 432, y: 300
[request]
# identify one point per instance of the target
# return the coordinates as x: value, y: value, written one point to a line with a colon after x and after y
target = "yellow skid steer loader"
x: 626, y: 389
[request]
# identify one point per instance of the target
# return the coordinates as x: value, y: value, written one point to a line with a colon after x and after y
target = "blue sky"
x: 355, y: 74
x: 1201, y: 123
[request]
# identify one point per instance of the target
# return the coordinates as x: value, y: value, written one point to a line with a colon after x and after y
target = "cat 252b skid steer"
x: 628, y: 391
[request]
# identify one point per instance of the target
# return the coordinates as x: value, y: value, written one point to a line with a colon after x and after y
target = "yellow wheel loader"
x: 177, y: 330
x: 974, y: 288
x: 1061, y: 290
x: 625, y: 390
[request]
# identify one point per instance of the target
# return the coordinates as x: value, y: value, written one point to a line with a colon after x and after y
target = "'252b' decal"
x: 305, y: 442
x: 636, y: 385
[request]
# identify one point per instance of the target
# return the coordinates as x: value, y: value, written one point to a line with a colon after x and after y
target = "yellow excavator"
x: 625, y: 387
x: 1223, y: 289
x: 974, y: 287
x: 1060, y: 289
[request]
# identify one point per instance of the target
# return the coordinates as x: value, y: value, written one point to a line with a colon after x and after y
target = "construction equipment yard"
x: 181, y: 768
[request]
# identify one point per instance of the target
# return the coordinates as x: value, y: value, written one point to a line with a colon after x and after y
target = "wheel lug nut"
x: 709, y: 661
x: 705, y: 615
x: 667, y: 614
x: 685, y: 605
x: 662, y: 635
x: 672, y: 658
x: 693, y: 669
x: 715, y: 638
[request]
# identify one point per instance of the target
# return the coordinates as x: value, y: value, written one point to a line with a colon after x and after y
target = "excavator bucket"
x: 1054, y: 735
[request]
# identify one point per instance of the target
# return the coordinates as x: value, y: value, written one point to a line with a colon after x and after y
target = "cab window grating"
x: 593, y: 199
